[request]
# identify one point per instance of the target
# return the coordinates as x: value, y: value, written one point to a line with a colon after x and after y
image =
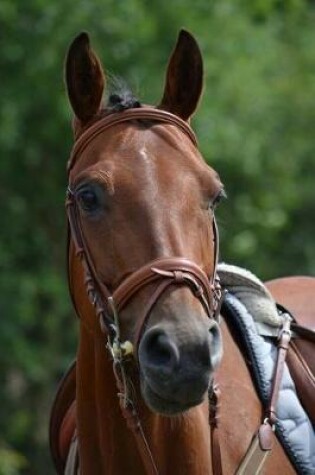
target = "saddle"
x: 300, y: 360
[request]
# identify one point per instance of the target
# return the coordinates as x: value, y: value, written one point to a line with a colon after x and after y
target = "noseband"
x: 164, y: 272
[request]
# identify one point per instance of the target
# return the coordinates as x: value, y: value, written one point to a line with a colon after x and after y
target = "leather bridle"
x: 164, y: 272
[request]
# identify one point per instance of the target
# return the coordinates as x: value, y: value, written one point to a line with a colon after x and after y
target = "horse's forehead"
x: 132, y: 145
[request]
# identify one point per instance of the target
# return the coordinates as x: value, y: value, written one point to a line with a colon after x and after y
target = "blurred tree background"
x: 255, y: 126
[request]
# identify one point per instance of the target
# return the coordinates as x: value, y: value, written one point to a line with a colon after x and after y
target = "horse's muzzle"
x: 176, y: 370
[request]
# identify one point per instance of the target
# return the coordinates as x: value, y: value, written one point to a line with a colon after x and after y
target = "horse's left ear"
x: 184, y: 77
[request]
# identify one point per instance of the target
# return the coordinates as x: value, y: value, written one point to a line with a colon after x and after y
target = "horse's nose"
x: 158, y: 352
x: 176, y: 365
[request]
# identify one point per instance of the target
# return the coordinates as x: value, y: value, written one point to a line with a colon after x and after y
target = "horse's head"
x: 142, y: 202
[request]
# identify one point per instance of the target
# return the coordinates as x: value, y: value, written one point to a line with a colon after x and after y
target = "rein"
x: 162, y: 272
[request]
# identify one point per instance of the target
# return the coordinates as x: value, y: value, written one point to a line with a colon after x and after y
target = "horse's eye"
x: 218, y: 198
x: 88, y: 200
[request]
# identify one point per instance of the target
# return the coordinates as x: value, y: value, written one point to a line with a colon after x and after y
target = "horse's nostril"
x: 157, y: 349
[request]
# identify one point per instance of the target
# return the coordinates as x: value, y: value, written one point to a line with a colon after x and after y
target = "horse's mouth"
x: 165, y: 405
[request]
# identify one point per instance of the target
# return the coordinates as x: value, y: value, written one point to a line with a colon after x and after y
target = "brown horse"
x: 141, y: 205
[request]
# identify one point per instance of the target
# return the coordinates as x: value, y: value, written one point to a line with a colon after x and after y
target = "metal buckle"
x: 285, y: 328
x: 268, y: 421
x: 119, y: 350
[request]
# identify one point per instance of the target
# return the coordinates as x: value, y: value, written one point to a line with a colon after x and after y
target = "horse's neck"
x: 103, y: 442
x: 179, y: 444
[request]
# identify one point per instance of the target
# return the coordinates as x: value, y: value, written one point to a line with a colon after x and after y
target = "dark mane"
x: 120, y: 96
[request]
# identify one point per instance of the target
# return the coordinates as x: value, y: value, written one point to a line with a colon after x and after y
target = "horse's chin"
x: 165, y: 405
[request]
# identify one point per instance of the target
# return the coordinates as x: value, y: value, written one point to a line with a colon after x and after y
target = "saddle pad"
x: 293, y: 428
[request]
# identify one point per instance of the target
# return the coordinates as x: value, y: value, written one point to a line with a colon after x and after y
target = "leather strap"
x: 283, y: 345
x: 144, y: 113
x: 261, y: 445
x: 147, y: 310
x: 255, y: 457
x: 303, y: 332
x: 178, y: 270
x: 214, y: 407
x: 130, y: 413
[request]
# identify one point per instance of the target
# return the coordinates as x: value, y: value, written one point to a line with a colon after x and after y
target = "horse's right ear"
x: 84, y: 78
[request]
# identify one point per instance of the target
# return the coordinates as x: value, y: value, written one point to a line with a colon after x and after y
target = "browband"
x: 145, y: 113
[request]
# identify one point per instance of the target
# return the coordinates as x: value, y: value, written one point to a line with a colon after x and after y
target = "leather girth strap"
x: 262, y: 442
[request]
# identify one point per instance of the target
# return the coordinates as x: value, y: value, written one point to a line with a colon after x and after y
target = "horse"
x: 142, y: 258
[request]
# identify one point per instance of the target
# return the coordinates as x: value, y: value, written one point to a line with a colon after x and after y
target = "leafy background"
x: 255, y: 126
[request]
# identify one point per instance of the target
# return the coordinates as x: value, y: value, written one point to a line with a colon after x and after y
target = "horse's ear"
x: 184, y: 77
x: 84, y: 78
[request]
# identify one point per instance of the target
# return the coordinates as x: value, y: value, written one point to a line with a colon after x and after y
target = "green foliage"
x: 10, y: 462
x: 255, y: 126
